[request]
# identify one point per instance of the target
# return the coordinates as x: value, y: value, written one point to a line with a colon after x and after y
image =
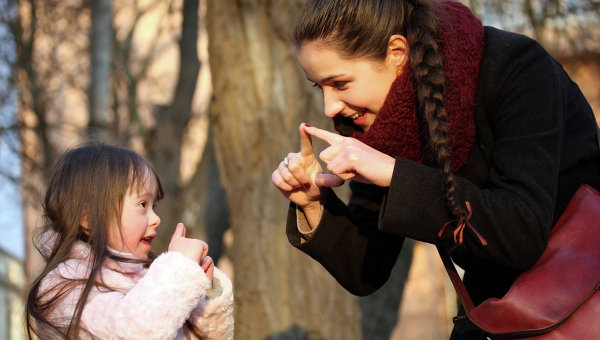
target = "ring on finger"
x: 285, y: 161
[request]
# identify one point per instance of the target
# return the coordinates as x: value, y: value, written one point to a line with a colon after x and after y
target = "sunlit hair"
x: 93, y: 180
x: 362, y: 29
x: 355, y: 28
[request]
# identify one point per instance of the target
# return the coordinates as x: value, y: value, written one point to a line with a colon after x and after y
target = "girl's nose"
x: 332, y: 104
x: 154, y: 220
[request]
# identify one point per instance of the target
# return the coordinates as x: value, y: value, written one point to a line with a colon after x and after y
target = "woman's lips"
x: 360, y: 119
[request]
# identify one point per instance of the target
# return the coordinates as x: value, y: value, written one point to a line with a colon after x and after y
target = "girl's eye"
x: 316, y: 85
x: 143, y: 204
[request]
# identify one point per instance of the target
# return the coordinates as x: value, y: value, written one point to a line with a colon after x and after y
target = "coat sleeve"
x: 155, y: 308
x: 347, y: 242
x: 213, y: 316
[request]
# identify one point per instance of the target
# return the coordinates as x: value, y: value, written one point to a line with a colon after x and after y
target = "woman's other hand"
x: 348, y: 158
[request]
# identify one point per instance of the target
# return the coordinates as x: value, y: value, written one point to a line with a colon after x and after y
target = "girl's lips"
x: 148, y: 239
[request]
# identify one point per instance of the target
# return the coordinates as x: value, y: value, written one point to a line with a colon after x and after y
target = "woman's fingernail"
x: 307, y: 125
x: 307, y: 185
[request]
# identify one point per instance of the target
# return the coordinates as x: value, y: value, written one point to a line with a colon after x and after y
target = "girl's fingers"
x: 204, y: 249
x: 179, y: 231
x: 207, y: 261
x: 209, y: 267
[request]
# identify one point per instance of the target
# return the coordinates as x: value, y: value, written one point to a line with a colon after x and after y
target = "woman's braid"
x: 428, y: 70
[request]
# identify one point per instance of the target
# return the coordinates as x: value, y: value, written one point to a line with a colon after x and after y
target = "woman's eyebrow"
x: 326, y: 79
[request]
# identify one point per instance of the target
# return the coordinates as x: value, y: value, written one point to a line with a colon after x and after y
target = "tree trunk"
x: 260, y: 98
x: 101, y: 34
x: 164, y: 142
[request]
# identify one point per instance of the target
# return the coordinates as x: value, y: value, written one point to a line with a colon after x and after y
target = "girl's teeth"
x: 356, y: 115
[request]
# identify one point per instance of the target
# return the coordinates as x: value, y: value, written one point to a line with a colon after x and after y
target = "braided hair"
x: 362, y: 28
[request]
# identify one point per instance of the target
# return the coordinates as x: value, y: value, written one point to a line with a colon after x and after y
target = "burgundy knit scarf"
x: 398, y: 130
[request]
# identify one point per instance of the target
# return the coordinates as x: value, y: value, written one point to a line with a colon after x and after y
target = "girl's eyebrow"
x: 145, y: 194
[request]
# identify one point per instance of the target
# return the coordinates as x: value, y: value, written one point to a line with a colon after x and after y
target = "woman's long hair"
x: 91, y: 180
x: 362, y: 28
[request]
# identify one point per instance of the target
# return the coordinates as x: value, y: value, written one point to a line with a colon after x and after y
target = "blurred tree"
x: 101, y: 59
x: 260, y: 99
x: 567, y: 29
x: 140, y: 78
x: 563, y: 27
x: 106, y: 72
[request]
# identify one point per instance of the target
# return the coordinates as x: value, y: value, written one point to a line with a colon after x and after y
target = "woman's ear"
x: 84, y: 222
x: 398, y: 50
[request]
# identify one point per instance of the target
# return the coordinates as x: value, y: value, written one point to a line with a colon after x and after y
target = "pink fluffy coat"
x: 146, y: 303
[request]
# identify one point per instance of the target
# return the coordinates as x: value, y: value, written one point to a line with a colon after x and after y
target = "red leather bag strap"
x: 459, y: 286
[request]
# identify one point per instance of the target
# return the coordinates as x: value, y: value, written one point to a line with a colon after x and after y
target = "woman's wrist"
x: 312, y: 213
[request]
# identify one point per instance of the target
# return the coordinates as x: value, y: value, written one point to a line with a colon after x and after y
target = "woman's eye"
x: 316, y: 85
x: 339, y: 84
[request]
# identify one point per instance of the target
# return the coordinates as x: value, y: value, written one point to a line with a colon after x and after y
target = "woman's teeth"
x: 356, y: 115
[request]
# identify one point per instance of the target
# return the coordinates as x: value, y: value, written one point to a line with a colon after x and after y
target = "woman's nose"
x: 332, y: 104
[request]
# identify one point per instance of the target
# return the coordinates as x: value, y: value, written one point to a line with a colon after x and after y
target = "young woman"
x: 449, y: 132
x: 101, y: 280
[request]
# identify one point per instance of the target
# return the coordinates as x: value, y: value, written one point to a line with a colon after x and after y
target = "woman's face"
x: 353, y: 88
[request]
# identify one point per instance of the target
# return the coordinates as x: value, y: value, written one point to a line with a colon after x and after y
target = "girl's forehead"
x: 145, y: 182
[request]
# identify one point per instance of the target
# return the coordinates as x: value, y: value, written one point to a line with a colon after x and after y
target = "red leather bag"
x: 558, y: 297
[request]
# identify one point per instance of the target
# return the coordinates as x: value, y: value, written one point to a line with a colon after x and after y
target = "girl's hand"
x: 192, y: 248
x: 208, y: 265
x: 348, y: 158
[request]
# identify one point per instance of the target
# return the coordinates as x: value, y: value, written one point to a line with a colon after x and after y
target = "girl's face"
x: 138, y: 223
x: 353, y: 88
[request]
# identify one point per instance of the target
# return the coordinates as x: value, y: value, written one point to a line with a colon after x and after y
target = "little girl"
x: 101, y: 280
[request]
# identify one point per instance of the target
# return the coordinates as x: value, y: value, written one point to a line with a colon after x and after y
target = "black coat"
x: 536, y: 143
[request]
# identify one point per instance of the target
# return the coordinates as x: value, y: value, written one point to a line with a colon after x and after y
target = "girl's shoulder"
x: 71, y: 269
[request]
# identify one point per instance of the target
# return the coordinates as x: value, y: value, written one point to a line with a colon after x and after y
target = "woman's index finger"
x: 306, y: 147
x: 324, y: 135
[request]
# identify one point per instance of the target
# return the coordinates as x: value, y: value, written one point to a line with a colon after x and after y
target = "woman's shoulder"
x: 506, y: 50
x: 500, y: 40
x: 515, y: 63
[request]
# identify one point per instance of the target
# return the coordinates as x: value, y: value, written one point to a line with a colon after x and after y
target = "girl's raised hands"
x: 196, y: 250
